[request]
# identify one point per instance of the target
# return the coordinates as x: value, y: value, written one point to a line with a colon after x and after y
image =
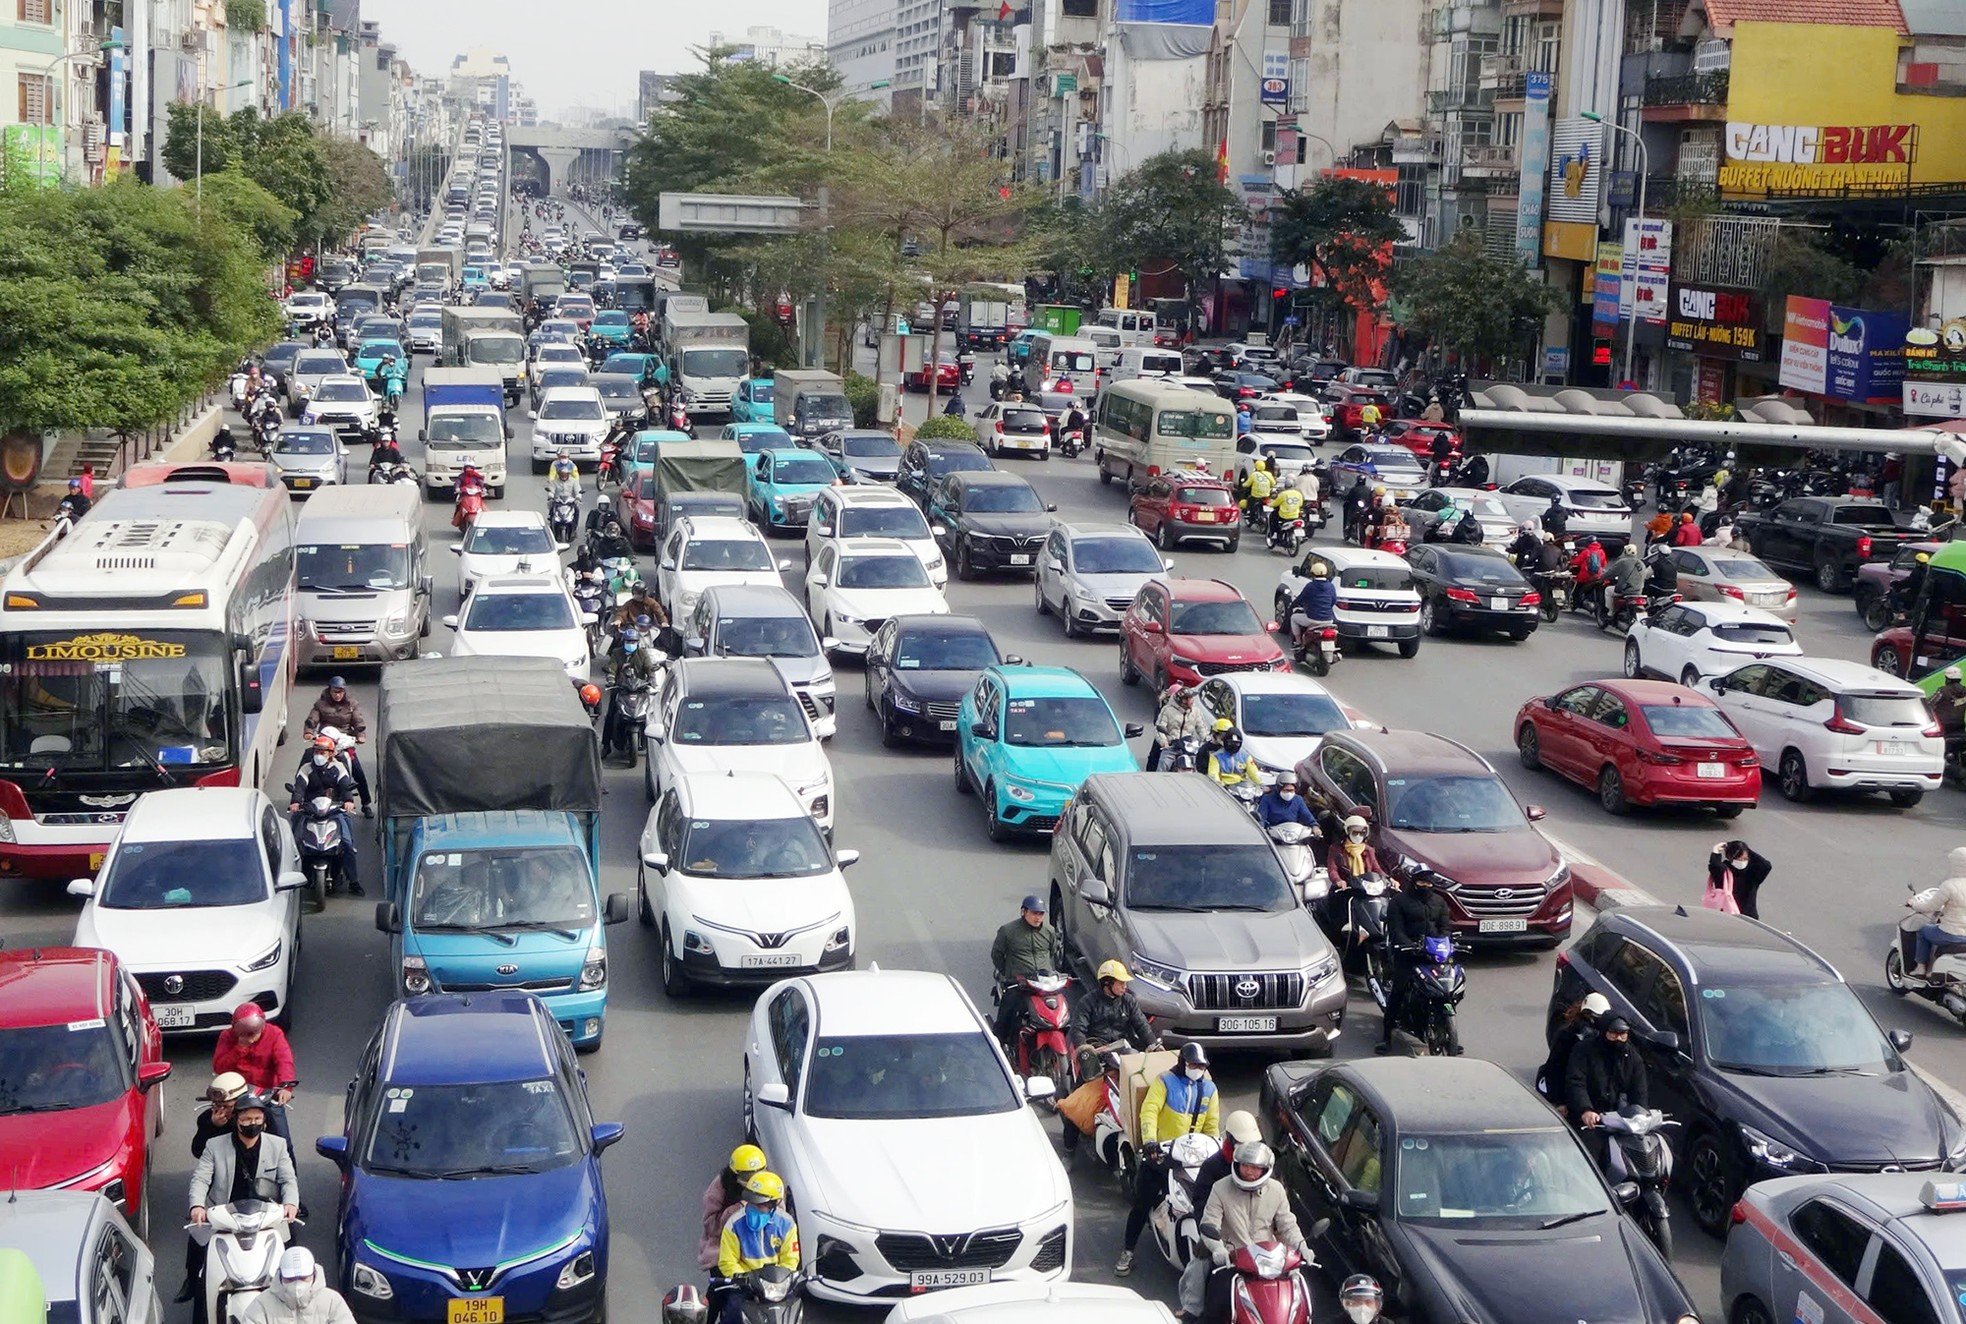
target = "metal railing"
x: 1708, y: 89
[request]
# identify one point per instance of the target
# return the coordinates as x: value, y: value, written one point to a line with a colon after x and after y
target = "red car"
x: 1641, y: 742
x: 82, y: 1058
x: 1185, y: 630
x: 1348, y: 402
x: 948, y: 376
x: 1418, y: 436
x: 634, y: 506
x: 1174, y: 508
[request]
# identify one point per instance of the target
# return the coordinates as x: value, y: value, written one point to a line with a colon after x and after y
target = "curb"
x: 1596, y: 884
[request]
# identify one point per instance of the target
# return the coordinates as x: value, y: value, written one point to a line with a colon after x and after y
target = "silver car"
x: 93, y: 1268
x: 311, y: 367
x: 1088, y: 574
x: 1721, y: 574
x: 344, y: 403
x: 309, y: 458
x: 764, y: 620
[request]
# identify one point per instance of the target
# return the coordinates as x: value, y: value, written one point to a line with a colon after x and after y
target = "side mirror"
x: 1535, y: 813
x: 1039, y: 1088
x: 83, y: 887
x: 332, y: 1148
x: 562, y: 546
x: 1051, y: 507
x: 252, y: 689
x: 828, y: 644
x: 1150, y: 627
x: 775, y: 1096
x: 1210, y: 1230
x: 784, y: 564
x: 605, y: 1134
x: 457, y: 549
x: 291, y: 881
x: 388, y: 918
x: 152, y: 1074
x: 657, y: 861
x: 1133, y: 729
x: 1166, y: 564
x: 1318, y: 1229
x: 1550, y: 703
x: 1900, y: 1039
x: 846, y: 859
x: 979, y: 730
x: 1663, y: 1040
x: 1095, y: 893
x: 1013, y: 659
x: 615, y: 910
x: 422, y: 434
x: 1362, y: 1202
x: 450, y: 622
x: 818, y: 581
x: 694, y: 645
x: 1271, y: 626
x: 1625, y: 1192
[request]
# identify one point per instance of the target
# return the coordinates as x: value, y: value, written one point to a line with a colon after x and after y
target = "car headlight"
x: 370, y: 1282
x: 841, y: 618
x: 902, y: 703
x: 579, y: 1269
x: 397, y: 623
x: 1766, y: 1149
x: 1560, y: 877
x: 416, y: 975
x: 1319, y: 971
x: 267, y: 959
x: 696, y: 944
x: 1164, y: 977
x: 840, y: 940
x: 1175, y: 659
x: 593, y: 971
x: 1018, y: 793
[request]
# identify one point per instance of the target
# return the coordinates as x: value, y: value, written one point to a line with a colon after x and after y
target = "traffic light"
x: 1601, y: 353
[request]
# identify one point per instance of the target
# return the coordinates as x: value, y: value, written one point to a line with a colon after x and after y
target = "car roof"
x: 859, y: 1002
x: 1731, y: 946
x: 1358, y: 556
x: 1648, y: 692
x: 54, y: 1230
x: 1029, y: 1303
x: 1837, y: 674
x: 872, y: 546
x: 1042, y: 682
x: 1075, y: 532
x: 466, y: 1038
x: 1449, y: 1094
x: 511, y: 519
x: 1375, y: 450
x: 1414, y: 751
x: 1469, y: 493
x: 1726, y: 613
x: 193, y: 813
x: 1571, y: 483
x: 752, y: 601
x: 1183, y: 589
x: 949, y: 446
x: 720, y: 528
x: 1271, y: 682
x: 948, y: 624
x: 552, y: 393
x: 987, y: 478
x: 871, y: 494
x: 730, y: 676
x: 342, y: 378
x: 53, y: 985
x: 737, y: 795
x: 543, y: 582
x: 1183, y: 808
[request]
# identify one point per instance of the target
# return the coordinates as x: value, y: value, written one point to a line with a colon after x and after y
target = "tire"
x: 1907, y: 798
x: 964, y: 570
x: 1749, y: 1310
x: 1711, y: 1184
x: 1048, y: 1063
x: 962, y: 773
x: 1601, y: 612
x: 539, y: 466
x: 1521, y: 633
x: 1793, y: 777
x: 749, y: 1108
x: 1070, y: 622
x: 1315, y: 660
x: 890, y: 738
x: 1690, y: 676
x: 1886, y: 660
x: 1874, y: 609
x: 1829, y: 576
x: 1409, y: 648
x: 1611, y: 792
x: 643, y: 911
x: 1037, y: 587
x: 1634, y: 660
x: 1894, y: 971
x: 1430, y: 623
x: 1550, y: 610
x: 1129, y: 674
x: 995, y: 826
x: 1529, y: 747
x: 1161, y: 540
x: 1659, y: 1228
x: 675, y: 984
x: 1235, y: 543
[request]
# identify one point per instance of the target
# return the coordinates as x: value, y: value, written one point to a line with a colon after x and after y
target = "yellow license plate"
x: 477, y: 1310
x: 95, y: 860
x: 346, y: 652
x: 303, y: 482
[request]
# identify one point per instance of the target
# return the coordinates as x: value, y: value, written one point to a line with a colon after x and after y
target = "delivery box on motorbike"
x: 1138, y: 1072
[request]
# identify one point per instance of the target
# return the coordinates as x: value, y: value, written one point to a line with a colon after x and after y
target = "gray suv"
x: 1167, y: 873
x: 763, y: 620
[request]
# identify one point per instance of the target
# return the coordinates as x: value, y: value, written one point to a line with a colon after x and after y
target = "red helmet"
x: 590, y: 694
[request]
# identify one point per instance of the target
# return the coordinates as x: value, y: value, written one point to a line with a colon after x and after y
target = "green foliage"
x: 946, y: 428
x: 181, y: 146
x: 245, y: 15
x: 1481, y: 307
x: 770, y: 341
x: 1170, y: 210
x: 258, y: 216
x: 329, y: 184
x: 865, y: 396
x: 1341, y: 229
x: 1800, y: 264
x: 358, y: 187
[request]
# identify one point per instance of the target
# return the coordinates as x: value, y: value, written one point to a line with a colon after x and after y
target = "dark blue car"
x: 471, y: 1168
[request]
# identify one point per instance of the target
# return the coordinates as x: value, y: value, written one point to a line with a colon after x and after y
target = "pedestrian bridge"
x: 551, y: 157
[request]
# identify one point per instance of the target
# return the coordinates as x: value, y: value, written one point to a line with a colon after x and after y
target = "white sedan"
x: 522, y: 616
x: 504, y: 542
x: 1313, y: 424
x: 1695, y: 639
x: 842, y: 1073
x: 1283, y: 716
x: 856, y: 584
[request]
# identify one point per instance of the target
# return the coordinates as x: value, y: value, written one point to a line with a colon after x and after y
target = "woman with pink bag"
x: 1734, y: 877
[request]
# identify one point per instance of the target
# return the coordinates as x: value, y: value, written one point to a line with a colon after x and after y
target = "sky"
x: 579, y: 53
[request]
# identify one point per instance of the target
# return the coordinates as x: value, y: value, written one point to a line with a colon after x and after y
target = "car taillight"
x: 1532, y: 599
x: 1842, y: 725
x: 1863, y: 544
x: 1662, y: 760
x: 1739, y: 1213
x: 1728, y: 590
x: 1791, y: 594
x: 1933, y: 732
x: 1463, y: 595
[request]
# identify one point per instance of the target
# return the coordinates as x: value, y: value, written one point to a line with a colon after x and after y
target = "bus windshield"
x: 96, y: 700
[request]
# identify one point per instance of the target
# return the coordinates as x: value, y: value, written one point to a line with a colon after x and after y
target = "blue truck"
x: 489, y: 787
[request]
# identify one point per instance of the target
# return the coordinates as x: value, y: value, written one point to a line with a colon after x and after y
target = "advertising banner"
x: 1716, y: 322
x: 1935, y: 371
x: 1606, y: 292
x: 1276, y: 78
x: 119, y: 86
x: 1854, y: 354
x: 1535, y: 143
x: 31, y: 153
x: 1165, y: 29
x: 1575, y: 184
x: 1648, y: 269
x: 1805, y: 346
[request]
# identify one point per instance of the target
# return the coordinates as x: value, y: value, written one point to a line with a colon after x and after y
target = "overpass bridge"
x: 551, y: 158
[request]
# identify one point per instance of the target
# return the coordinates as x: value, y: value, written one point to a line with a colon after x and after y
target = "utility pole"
x: 815, y: 337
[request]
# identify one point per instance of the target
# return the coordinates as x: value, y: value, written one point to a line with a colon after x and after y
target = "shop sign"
x: 1605, y: 292
x: 1715, y: 322
x: 1935, y: 370
x: 1771, y: 157
x: 1854, y: 354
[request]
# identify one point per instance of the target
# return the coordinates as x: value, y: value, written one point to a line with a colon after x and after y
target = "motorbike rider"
x: 762, y: 1235
x: 337, y: 708
x: 1661, y: 574
x: 74, y: 504
x: 1316, y: 603
x: 1075, y: 420
x: 251, y: 1165
x: 1351, y: 857
x: 1359, y: 505
x: 1110, y: 1014
x: 1023, y: 947
x: 1258, y: 486
x: 1362, y: 1298
x: 723, y: 1197
x: 1556, y: 519
x: 384, y: 452
x: 214, y: 1120
x: 1946, y: 905
x: 321, y: 774
x: 1948, y: 704
x: 1627, y: 577
x: 1418, y: 912
x: 1179, y: 718
x: 1686, y: 533
x: 1579, y: 1023
x: 563, y: 479
x: 469, y: 483
x: 628, y: 656
x: 1525, y: 547
x: 1606, y: 1074
x: 1282, y: 804
x: 1238, y: 1129
x: 259, y: 1052
x: 1306, y: 483
x: 1224, y: 758
x: 1182, y: 1099
x: 1392, y: 525
x: 299, y: 1295
x: 1286, y: 506
x: 1251, y: 1207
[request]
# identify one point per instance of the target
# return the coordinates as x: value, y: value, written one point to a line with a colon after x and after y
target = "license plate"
x: 346, y: 652
x: 174, y: 1018
x: 1896, y: 749
x: 946, y: 726
x: 1204, y: 517
x: 303, y: 482
x: 1020, y: 558
x: 1499, y: 604
x: 1378, y: 631
x: 95, y: 860
x: 1245, y: 1024
x: 1711, y: 770
x: 921, y: 1280
x: 476, y: 1310
x: 771, y: 960
x: 1504, y: 926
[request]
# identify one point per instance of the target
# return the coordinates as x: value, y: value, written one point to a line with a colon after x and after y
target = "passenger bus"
x: 146, y: 646
x: 1147, y: 425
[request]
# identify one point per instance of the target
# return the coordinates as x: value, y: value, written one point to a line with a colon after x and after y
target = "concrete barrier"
x: 194, y: 442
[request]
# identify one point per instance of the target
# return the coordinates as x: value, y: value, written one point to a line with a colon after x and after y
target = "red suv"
x: 79, y: 1105
x: 1181, y: 631
x: 1417, y: 435
x: 1348, y: 402
x: 1179, y: 507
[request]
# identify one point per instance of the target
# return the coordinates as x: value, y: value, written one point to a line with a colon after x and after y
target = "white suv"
x: 741, y: 883
x: 856, y: 584
x: 1377, y: 600
x: 874, y: 511
x: 735, y: 714
x: 573, y: 419
x: 522, y: 616
x: 704, y: 550
x: 504, y: 542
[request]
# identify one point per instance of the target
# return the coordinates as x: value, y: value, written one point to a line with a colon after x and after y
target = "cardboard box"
x: 1138, y: 1072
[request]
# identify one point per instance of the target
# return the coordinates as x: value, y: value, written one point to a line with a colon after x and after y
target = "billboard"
x: 1576, y: 184
x: 1935, y: 371
x: 1535, y: 161
x: 1165, y: 29
x: 1716, y: 322
x: 1606, y: 296
x: 1276, y: 78
x: 1853, y: 354
x: 1648, y: 268
x: 31, y: 153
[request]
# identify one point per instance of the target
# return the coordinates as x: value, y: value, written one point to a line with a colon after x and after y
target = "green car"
x: 751, y: 402
x: 368, y: 358
x: 612, y: 327
x: 648, y: 369
x: 1026, y: 737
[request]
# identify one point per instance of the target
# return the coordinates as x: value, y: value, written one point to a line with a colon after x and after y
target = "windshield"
x: 930, y: 648
x: 426, y: 321
x: 619, y: 390
x: 1195, y: 423
x: 1883, y: 709
x: 500, y: 349
x: 766, y: 636
x: 962, y: 461
x: 1208, y: 878
x: 803, y: 468
x: 507, y: 540
x: 1452, y: 804
x: 1686, y: 722
x: 1587, y: 498
x: 1792, y: 1030
x: 312, y: 365
x: 882, y: 572
x: 759, y: 441
x: 1059, y: 722
x: 880, y: 1077
x: 1880, y: 515
x: 1218, y: 497
x: 1214, y: 618
x: 715, y: 362
x: 464, y: 432
x: 823, y: 406
x: 1385, y: 579
x: 464, y: 1131
x: 341, y: 392
x: 1742, y: 570
x: 525, y: 887
x: 554, y: 351
x: 895, y: 521
x: 740, y: 721
x: 381, y: 349
x: 165, y: 875
x: 519, y: 611
x: 575, y: 308
x: 726, y: 554
x: 1002, y: 499
x: 304, y: 443
x: 352, y: 566
x: 1025, y: 420
x: 1752, y: 632
x: 98, y: 699
x: 761, y: 392
x: 1291, y: 715
x: 52, y: 1068
x: 1115, y: 556
x: 578, y: 409
x: 755, y: 848
x: 1503, y: 1179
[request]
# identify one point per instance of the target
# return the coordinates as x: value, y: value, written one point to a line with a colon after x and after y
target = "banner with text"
x: 1716, y: 322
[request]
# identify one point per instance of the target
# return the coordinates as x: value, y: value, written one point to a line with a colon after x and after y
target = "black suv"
x: 1759, y: 1049
x: 988, y: 521
x: 924, y: 464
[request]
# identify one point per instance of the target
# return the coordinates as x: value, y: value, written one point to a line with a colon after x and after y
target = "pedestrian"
x: 260, y: 1053
x: 1735, y: 868
x: 88, y: 479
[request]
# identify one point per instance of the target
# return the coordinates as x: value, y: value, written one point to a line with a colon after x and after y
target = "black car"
x: 1759, y: 1049
x: 1473, y: 588
x: 865, y: 455
x: 925, y: 463
x: 988, y: 521
x: 1236, y: 385
x: 275, y: 363
x: 1462, y: 1192
x: 919, y: 668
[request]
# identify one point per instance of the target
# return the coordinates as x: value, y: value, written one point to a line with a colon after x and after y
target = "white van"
x: 1136, y: 326
x: 1142, y: 427
x: 1136, y: 361
x: 1054, y: 356
x: 1108, y: 345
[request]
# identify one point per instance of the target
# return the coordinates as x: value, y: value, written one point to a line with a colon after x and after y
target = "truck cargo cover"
x: 700, y: 466
x: 475, y: 733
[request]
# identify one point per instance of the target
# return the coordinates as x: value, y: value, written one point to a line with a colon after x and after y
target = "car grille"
x: 807, y: 702
x: 199, y: 985
x: 530, y: 985
x: 1374, y: 604
x: 1038, y: 823
x: 1119, y: 604
x: 943, y: 712
x: 1051, y: 1252
x: 1224, y: 668
x: 873, y: 627
x: 908, y: 1251
x: 1930, y: 1165
x: 1501, y: 902
x: 1233, y: 992
x: 348, y: 629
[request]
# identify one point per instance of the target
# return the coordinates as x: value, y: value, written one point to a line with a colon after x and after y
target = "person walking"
x: 1735, y: 867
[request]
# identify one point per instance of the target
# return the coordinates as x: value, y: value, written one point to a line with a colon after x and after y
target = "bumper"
x: 1186, y: 675
x: 582, y: 1015
x: 1029, y: 445
x: 1181, y: 531
x: 581, y: 448
x: 709, y: 970
x: 1093, y: 614
x: 1379, y: 631
x: 994, y: 556
x: 423, y: 1297
x: 311, y: 651
x: 1037, y: 814
x: 56, y: 861
x: 925, y: 726
x: 1315, y: 1025
x: 1660, y: 787
x: 267, y: 988
x: 302, y: 484
x: 850, y: 1266
x: 1849, y: 775
x: 1483, y: 618
x: 1545, y: 927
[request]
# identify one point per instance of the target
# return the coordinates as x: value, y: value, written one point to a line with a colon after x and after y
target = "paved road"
x: 930, y: 890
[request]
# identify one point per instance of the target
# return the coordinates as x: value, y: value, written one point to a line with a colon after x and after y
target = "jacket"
x: 1229, y: 769
x: 1526, y: 550
x: 1949, y: 706
x: 1247, y: 1217
x: 345, y: 716
x: 1416, y: 913
x: 1628, y: 576
x: 1946, y: 903
x: 1175, y: 1105
x: 1273, y: 809
x: 1602, y: 1077
x: 1318, y: 600
x: 619, y: 659
x: 715, y: 1214
x: 1099, y: 1019
x: 1686, y: 534
x: 1747, y: 878
x: 1288, y: 503
x: 1662, y: 576
x: 1338, y: 862
x: 331, y: 780
x: 275, y: 1182
x: 740, y: 1250
x: 267, y: 1063
x: 325, y: 1306
x: 1020, y: 949
x: 1554, y: 1075
x: 1175, y: 721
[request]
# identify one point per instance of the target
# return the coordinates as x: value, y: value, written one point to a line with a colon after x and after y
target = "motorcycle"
x: 237, y: 388
x: 1070, y: 444
x: 1354, y: 918
x: 1881, y: 611
x: 1176, y: 1217
x: 1184, y: 755
x: 224, y: 450
x: 319, y: 839
x: 623, y: 579
x: 562, y: 517
x: 1438, y: 983
x: 1247, y: 792
x: 470, y: 505
x: 1945, y: 987
x: 1317, y: 647
x: 1041, y: 1048
x: 607, y: 471
x: 1638, y: 1153
x: 243, y: 1243
x: 632, y: 695
x: 1292, y: 843
x: 392, y: 471
x: 590, y: 596
x: 1286, y: 535
x: 1556, y: 587
x: 1269, y: 1286
x: 1628, y: 607
x: 769, y: 1295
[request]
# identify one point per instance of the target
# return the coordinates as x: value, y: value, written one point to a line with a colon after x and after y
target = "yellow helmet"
x: 1114, y: 970
x: 1224, y: 724
x: 1378, y: 491
x: 764, y: 1188
x: 1923, y: 558
x: 747, y: 1159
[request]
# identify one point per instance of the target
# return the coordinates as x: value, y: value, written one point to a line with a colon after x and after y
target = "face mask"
x: 247, y: 1130
x: 757, y: 1220
x: 1196, y: 1073
x: 629, y: 648
x: 1354, y: 837
x: 320, y: 760
x: 1361, y: 1312
x: 297, y: 1294
x: 1287, y: 792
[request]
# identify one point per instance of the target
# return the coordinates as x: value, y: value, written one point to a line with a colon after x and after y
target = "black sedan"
x: 925, y: 463
x: 1472, y: 588
x: 919, y: 668
x: 1462, y: 1193
x: 1236, y: 385
x: 988, y: 521
x: 862, y: 455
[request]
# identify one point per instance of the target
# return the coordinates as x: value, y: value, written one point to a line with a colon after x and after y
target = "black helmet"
x: 1193, y: 1055
x: 1231, y: 740
x: 1613, y: 1024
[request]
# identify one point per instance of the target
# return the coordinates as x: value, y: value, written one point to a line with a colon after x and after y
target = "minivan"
x: 1138, y: 361
x: 1054, y: 358
x: 765, y: 620
x: 362, y: 575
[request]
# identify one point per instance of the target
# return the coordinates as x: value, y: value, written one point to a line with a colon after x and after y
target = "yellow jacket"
x: 1289, y: 503
x: 1261, y: 484
x: 1176, y: 1105
x: 744, y: 1248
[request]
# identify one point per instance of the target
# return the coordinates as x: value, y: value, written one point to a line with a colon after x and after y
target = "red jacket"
x: 1687, y: 534
x: 267, y: 1063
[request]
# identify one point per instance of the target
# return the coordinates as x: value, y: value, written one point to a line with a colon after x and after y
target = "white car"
x: 843, y: 1073
x: 342, y: 402
x: 573, y: 419
x: 735, y: 714
x: 1031, y: 1303
x: 1428, y: 508
x: 1288, y: 451
x: 1377, y: 599
x: 856, y: 584
x: 1693, y: 639
x: 306, y: 307
x: 1591, y: 506
x: 1090, y: 573
x: 199, y: 897
x: 741, y: 884
x: 703, y: 550
x: 426, y: 331
x: 1821, y: 722
x: 1283, y: 716
x: 522, y: 616
x: 874, y: 510
x: 551, y: 352
x: 1312, y: 423
x: 504, y: 542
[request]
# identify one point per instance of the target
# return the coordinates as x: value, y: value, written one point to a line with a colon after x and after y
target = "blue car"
x: 470, y: 1169
x: 755, y: 439
x: 783, y: 485
x: 612, y: 327
x: 751, y: 402
x: 638, y: 456
x: 1026, y: 737
x: 648, y: 369
x: 1394, y: 468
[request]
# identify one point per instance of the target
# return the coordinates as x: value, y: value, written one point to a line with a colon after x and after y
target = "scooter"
x: 1355, y: 920
x: 1070, y: 444
x: 1041, y: 1048
x: 1622, y: 612
x: 393, y: 471
x: 224, y: 450
x: 562, y: 517
x: 319, y: 839
x: 470, y: 505
x: 1286, y: 535
x: 590, y: 595
x: 1438, y: 985
x: 1110, y: 1140
x: 243, y: 1243
x: 1317, y: 647
x: 1556, y: 586
x: 1945, y: 987
x: 1184, y: 755
x: 1638, y: 1153
x: 1176, y: 1217
x: 1292, y: 842
x: 1269, y: 1286
x: 632, y: 694
x: 770, y: 1295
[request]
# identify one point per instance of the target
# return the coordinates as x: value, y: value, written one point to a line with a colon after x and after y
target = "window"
x: 1630, y: 971
x: 1747, y: 680
x: 37, y: 92
x: 789, y: 1029
x: 1666, y: 1007
x: 272, y: 831
x: 1333, y: 1113
x: 1895, y: 1292
x: 1357, y: 1151
x: 36, y: 11
x: 1580, y: 702
x: 1279, y: 12
x: 1611, y: 712
x: 1836, y: 1238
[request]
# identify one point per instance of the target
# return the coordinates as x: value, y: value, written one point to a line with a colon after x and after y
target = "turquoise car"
x: 751, y: 401
x: 1019, y: 348
x: 1026, y: 737
x: 369, y: 357
x: 754, y: 439
x: 648, y: 369
x: 783, y: 485
x: 640, y: 455
x: 612, y: 327
x: 476, y: 278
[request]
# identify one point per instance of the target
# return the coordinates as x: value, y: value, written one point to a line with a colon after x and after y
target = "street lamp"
x: 813, y: 346
x: 831, y: 103
x: 1644, y: 169
x: 47, y: 70
x: 198, y: 166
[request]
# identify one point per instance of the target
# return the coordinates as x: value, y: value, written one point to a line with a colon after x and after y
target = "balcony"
x: 1421, y: 149
x: 1504, y: 77
x: 1532, y: 8
x: 1490, y: 161
x: 1680, y: 98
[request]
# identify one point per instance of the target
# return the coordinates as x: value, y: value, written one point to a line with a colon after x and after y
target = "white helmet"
x: 1257, y: 1155
x: 1241, y: 1127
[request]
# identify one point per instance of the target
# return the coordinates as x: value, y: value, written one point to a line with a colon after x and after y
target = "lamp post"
x: 813, y: 346
x: 47, y: 70
x: 198, y: 165
x: 1644, y: 169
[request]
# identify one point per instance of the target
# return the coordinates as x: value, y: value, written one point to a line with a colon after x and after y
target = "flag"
x: 1003, y: 12
x: 1222, y: 162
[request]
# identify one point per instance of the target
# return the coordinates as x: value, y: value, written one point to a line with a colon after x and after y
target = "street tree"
x: 1481, y: 308
x: 1170, y: 211
x: 263, y: 219
x: 1343, y: 231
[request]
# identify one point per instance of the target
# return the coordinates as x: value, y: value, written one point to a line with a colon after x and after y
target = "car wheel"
x: 1161, y: 540
x: 1611, y: 792
x: 539, y: 466
x: 1409, y: 648
x: 1711, y: 1186
x: 1037, y: 585
x: 1070, y: 622
x: 1875, y: 610
x: 1058, y: 920
x: 1690, y: 676
x: 1129, y: 674
x: 867, y: 688
x: 1792, y: 776
x: 1430, y: 622
x: 675, y: 984
x: 1521, y: 632
x: 962, y: 773
x: 1528, y: 747
x: 643, y: 911
x: 1235, y: 543
x: 1887, y: 661
x: 1748, y: 1310
x: 1907, y: 797
x: 1829, y: 575
x: 1634, y: 660
x: 964, y: 570
x: 890, y: 737
x: 1894, y: 971
x: 991, y: 823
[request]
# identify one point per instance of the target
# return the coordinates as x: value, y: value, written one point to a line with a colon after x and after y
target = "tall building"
x: 769, y: 46
x: 482, y: 79
x: 652, y: 90
x: 860, y: 40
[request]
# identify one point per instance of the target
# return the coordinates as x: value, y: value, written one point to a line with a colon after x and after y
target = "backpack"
x: 1594, y: 563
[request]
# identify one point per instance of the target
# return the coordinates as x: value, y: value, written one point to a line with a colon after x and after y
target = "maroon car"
x: 1875, y: 580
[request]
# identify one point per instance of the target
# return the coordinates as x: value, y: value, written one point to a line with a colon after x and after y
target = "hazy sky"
x: 571, y: 53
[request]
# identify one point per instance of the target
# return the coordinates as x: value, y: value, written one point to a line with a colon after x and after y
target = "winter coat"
x: 276, y: 1306
x: 1247, y: 1217
x: 1020, y: 949
x: 1603, y: 1076
x: 345, y: 716
x: 1946, y: 903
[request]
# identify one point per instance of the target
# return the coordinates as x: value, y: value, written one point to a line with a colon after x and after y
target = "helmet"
x: 1319, y: 570
x: 1378, y: 491
x: 1115, y: 970
x: 1361, y: 1298
x: 764, y: 1188
x: 1259, y: 1156
x: 249, y: 1102
x: 1241, y: 1127
x: 226, y: 1087
x: 1614, y: 1024
x: 1596, y: 1004
x: 1193, y: 1055
x: 1355, y: 823
x: 1922, y: 558
x: 75, y: 485
x: 1230, y: 740
x: 684, y: 1305
x: 747, y: 1159
x: 325, y: 743
x: 1223, y: 724
x: 590, y: 694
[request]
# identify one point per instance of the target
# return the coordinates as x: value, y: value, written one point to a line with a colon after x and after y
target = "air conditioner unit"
x: 196, y: 41
x: 1269, y: 158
